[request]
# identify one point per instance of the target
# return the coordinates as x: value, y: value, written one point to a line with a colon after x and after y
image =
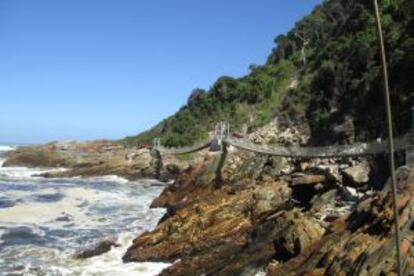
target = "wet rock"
x: 99, y: 249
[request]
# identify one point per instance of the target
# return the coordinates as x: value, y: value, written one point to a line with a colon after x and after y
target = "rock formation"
x: 94, y: 158
x: 257, y: 215
x: 362, y: 243
x: 287, y: 217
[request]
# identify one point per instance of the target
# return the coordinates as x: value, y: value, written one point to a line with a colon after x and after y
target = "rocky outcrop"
x: 363, y: 242
x: 237, y: 226
x: 306, y: 217
x: 95, y: 158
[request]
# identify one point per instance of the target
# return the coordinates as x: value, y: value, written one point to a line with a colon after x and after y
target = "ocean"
x: 45, y: 222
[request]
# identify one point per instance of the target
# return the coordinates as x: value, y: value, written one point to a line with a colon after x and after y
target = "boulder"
x: 356, y: 175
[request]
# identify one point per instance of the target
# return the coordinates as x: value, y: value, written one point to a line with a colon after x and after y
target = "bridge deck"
x: 358, y: 149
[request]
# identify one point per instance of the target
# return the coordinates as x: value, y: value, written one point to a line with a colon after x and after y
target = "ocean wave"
x: 21, y: 173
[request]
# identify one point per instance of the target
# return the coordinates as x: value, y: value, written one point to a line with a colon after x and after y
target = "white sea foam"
x: 111, y: 263
x: 48, y: 212
x: 6, y: 148
x: 110, y: 178
x: 107, y: 203
x: 21, y: 173
x: 107, y: 264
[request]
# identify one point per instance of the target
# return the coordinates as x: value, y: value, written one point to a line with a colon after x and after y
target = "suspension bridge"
x: 222, y: 139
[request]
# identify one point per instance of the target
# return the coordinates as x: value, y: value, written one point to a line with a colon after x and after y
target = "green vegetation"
x: 333, y: 55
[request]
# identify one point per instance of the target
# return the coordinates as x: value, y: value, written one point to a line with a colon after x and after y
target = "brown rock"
x: 357, y: 175
x: 95, y: 158
x: 226, y: 230
x: 363, y: 243
x: 308, y: 179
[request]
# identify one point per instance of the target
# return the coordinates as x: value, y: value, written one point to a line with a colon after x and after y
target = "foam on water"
x: 19, y: 173
x: 6, y: 148
x: 46, y: 221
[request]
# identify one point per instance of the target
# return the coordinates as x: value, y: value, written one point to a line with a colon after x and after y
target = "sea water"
x: 45, y: 222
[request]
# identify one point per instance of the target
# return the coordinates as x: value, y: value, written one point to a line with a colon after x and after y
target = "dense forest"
x: 325, y: 69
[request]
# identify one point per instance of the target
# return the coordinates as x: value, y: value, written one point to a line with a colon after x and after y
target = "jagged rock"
x: 328, y: 206
x: 357, y: 175
x: 363, y: 242
x: 99, y: 249
x: 226, y: 230
x: 268, y: 197
x: 302, y: 232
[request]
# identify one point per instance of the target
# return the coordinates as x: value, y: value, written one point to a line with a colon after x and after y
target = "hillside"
x: 324, y: 71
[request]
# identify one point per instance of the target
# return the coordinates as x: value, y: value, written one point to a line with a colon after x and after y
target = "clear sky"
x: 88, y: 69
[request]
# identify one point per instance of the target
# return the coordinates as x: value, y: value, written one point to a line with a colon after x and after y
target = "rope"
x: 390, y: 136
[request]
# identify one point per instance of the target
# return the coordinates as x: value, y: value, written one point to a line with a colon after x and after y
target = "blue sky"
x: 88, y: 69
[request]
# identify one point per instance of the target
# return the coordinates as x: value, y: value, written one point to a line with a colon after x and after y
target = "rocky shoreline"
x: 275, y: 215
x: 95, y: 158
x: 293, y: 224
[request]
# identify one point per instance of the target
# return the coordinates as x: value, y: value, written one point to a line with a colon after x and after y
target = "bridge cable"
x: 390, y: 136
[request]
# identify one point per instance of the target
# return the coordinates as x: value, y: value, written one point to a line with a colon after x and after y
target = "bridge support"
x: 157, y: 157
x: 220, y: 133
x: 219, y: 176
x: 409, y: 153
x: 218, y: 144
